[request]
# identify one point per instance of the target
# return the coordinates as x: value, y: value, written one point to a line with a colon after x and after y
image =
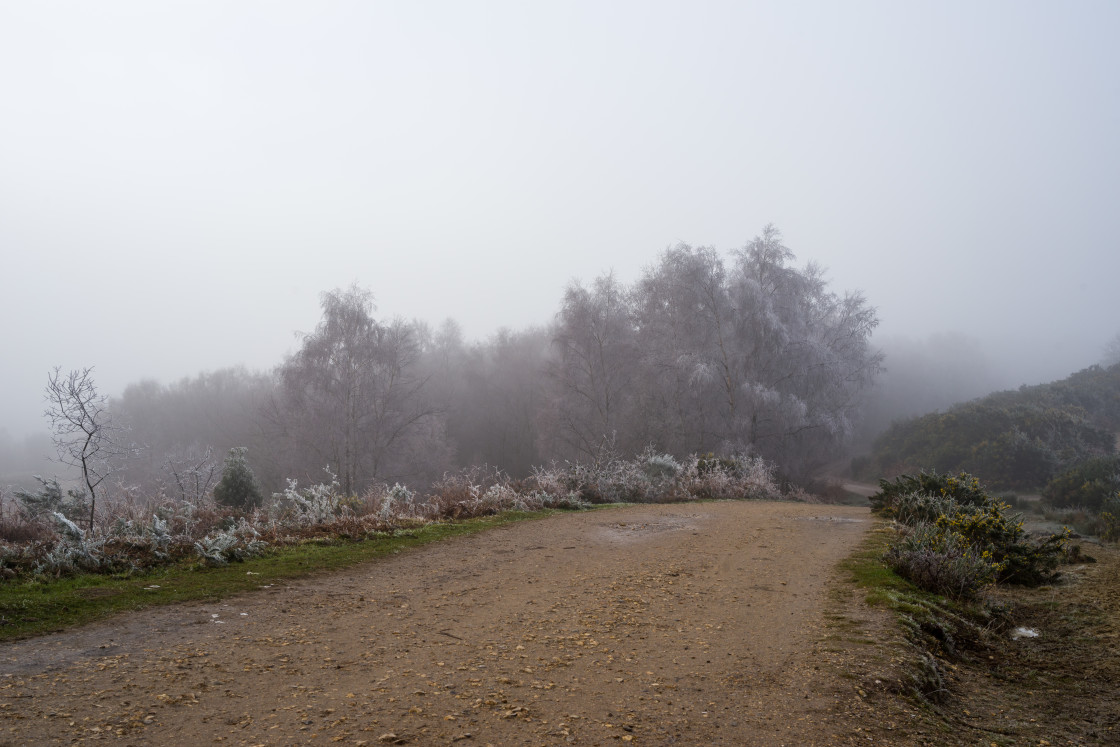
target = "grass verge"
x: 937, y: 628
x: 40, y: 606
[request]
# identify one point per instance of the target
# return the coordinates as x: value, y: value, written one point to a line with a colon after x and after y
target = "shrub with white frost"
x: 239, y: 542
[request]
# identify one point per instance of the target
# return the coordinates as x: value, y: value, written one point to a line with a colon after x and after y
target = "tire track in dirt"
x: 669, y: 624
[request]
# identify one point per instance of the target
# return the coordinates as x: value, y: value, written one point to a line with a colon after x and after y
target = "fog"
x: 179, y: 182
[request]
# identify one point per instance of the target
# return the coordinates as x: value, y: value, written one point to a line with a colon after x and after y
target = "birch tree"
x: 750, y: 354
x: 592, y: 373
x: 352, y: 395
x: 803, y: 354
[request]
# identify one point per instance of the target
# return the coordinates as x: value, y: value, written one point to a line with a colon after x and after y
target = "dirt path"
x: 678, y: 624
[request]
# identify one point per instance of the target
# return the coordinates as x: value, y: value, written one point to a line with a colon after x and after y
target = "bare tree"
x: 592, y: 373
x: 82, y: 428
x: 194, y: 471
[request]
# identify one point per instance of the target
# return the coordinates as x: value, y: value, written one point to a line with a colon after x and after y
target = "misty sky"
x: 180, y: 181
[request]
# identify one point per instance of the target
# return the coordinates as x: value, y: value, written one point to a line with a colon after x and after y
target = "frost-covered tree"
x: 192, y: 472
x: 802, y: 355
x: 353, y: 394
x: 685, y: 380
x: 751, y: 355
x: 238, y: 487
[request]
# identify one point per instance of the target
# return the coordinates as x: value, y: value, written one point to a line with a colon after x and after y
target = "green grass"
x: 869, y: 572
x: 885, y: 588
x: 35, y: 607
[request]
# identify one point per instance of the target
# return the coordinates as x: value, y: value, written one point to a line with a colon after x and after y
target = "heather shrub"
x: 941, y: 562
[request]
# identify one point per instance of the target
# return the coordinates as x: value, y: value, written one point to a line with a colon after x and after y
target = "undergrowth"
x: 955, y: 539
x: 38, y: 537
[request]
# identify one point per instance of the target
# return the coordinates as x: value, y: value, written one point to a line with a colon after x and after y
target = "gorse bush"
x: 955, y: 538
x: 963, y: 489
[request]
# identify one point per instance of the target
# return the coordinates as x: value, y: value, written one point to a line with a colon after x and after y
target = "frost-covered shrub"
x: 911, y: 508
x: 236, y: 543
x: 311, y: 506
x: 736, y: 477
x: 963, y: 488
x: 954, y: 526
x: 49, y: 498
x: 468, y: 493
x: 179, y: 530
x: 72, y: 552
x: 394, y: 502
x: 942, y: 562
x: 158, y: 534
x: 659, y: 466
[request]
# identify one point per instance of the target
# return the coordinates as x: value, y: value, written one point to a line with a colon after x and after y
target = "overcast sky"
x: 180, y: 181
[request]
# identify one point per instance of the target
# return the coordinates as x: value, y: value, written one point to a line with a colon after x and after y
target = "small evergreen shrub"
x: 238, y: 487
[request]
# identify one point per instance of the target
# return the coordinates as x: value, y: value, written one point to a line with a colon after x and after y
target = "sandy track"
x: 677, y: 624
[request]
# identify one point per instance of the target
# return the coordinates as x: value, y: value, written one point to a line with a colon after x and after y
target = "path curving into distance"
x: 669, y: 624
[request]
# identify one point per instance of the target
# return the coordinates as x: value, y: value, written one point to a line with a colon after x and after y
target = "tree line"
x: 741, y: 352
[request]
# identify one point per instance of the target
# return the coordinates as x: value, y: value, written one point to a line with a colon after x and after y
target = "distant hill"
x: 1016, y: 439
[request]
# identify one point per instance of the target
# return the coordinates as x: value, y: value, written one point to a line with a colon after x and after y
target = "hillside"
x: 1016, y: 439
